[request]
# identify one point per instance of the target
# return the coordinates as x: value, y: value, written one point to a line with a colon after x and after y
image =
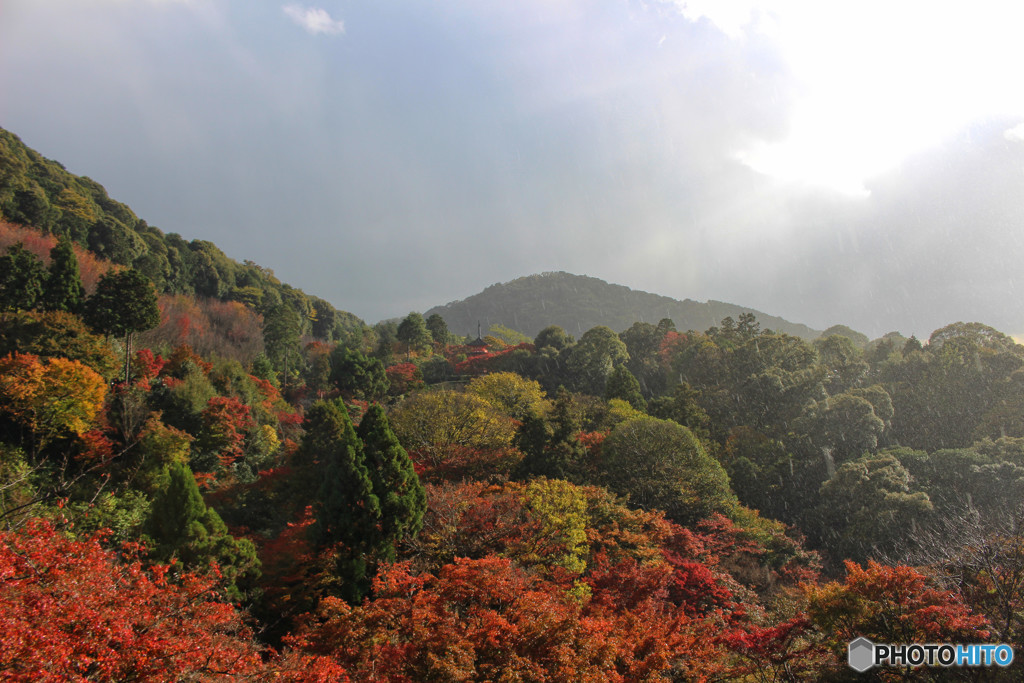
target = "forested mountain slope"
x: 577, y: 303
x: 41, y: 193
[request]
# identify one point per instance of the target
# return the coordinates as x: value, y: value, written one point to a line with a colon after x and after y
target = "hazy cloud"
x: 315, y: 20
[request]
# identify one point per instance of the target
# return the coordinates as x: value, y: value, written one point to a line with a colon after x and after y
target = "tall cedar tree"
x: 413, y: 333
x: 182, y: 527
x: 624, y: 385
x: 63, y: 290
x: 21, y: 279
x: 532, y: 438
x: 438, y: 329
x: 355, y: 374
x: 346, y: 509
x: 124, y: 303
x: 551, y: 448
x: 395, y: 482
x: 282, y: 329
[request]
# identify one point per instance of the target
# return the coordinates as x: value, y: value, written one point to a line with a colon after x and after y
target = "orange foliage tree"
x: 50, y: 398
x: 488, y: 619
x: 885, y: 604
x: 55, y: 334
x: 228, y: 329
x: 90, y: 268
x: 226, y: 421
x: 70, y: 611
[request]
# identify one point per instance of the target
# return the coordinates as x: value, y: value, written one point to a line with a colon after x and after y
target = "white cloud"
x: 1015, y: 134
x: 732, y: 17
x: 315, y: 20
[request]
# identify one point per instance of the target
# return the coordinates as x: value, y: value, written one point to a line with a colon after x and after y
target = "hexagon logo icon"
x: 860, y: 654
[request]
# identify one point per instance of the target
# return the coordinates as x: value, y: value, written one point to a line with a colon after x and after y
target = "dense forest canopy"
x: 207, y: 473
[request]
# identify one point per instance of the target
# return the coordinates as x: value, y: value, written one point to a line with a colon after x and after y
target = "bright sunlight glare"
x: 879, y: 81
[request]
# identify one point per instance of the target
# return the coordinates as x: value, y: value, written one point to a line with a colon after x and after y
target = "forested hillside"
x: 578, y: 303
x: 41, y: 193
x: 203, y: 479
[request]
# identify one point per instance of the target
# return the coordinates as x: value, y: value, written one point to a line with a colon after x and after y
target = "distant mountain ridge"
x: 580, y: 302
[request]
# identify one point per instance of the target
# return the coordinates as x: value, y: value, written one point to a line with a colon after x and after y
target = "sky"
x: 831, y: 163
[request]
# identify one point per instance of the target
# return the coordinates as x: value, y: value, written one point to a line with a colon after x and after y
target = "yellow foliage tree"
x: 619, y: 411
x: 160, y: 446
x: 54, y: 398
x: 515, y: 396
x: 71, y: 202
x: 562, y: 509
x: 435, y: 424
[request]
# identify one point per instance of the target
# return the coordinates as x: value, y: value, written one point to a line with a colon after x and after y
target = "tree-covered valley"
x: 208, y: 474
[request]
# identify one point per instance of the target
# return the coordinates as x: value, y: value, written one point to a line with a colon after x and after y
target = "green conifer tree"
x: 413, y: 332
x: 551, y: 448
x: 532, y: 440
x: 346, y: 510
x: 282, y: 330
x: 125, y: 302
x: 402, y: 497
x: 21, y: 279
x: 63, y: 290
x: 358, y: 375
x: 183, y: 528
x: 624, y: 385
x: 438, y: 329
x: 565, y: 453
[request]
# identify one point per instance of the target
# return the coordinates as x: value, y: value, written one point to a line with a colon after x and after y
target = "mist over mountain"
x: 754, y: 155
x: 41, y: 192
x: 579, y: 302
